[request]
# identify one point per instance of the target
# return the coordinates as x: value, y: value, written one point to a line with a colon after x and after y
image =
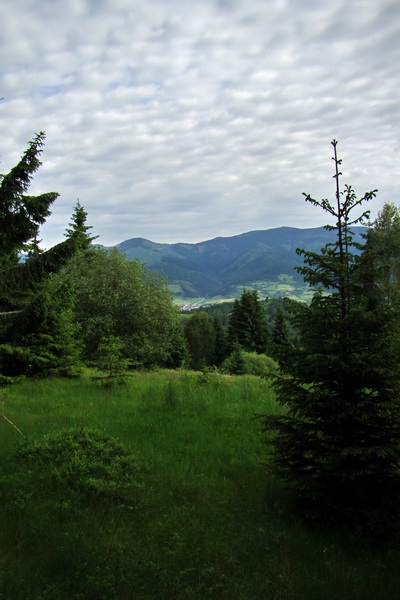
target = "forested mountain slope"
x: 224, y: 265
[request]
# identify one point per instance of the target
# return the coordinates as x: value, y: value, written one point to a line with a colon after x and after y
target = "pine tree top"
x: 20, y: 214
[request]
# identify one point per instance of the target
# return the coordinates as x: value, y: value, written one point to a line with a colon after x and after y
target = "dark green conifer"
x: 34, y: 326
x: 200, y: 340
x: 338, y: 445
x: 280, y: 345
x: 42, y: 339
x: 220, y: 342
x: 20, y: 214
x: 79, y: 230
x: 247, y: 323
x: 234, y: 364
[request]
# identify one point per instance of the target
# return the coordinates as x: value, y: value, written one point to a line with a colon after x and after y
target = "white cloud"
x: 182, y: 121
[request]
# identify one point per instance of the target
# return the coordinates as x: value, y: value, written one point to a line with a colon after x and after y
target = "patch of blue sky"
x: 50, y: 90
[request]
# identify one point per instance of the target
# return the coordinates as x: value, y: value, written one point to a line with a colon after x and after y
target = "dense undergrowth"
x: 157, y: 490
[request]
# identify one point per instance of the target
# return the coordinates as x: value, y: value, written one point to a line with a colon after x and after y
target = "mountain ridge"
x: 220, y: 267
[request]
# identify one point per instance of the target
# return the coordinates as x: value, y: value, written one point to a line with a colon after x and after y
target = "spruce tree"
x: 200, y: 334
x: 20, y: 214
x: 234, y: 364
x: 247, y: 323
x: 79, y: 230
x: 337, y: 447
x: 280, y: 346
x: 20, y: 218
x: 35, y: 331
x: 43, y: 339
x: 220, y: 342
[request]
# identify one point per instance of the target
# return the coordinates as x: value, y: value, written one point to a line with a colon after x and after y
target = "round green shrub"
x: 249, y: 363
x: 83, y: 460
x: 259, y: 364
x: 65, y: 498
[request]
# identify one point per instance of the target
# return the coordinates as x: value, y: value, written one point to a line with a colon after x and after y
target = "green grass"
x: 204, y: 521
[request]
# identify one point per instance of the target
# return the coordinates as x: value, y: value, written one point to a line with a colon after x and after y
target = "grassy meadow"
x: 197, y: 518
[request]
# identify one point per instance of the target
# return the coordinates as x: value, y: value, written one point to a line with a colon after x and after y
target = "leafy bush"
x: 117, y: 297
x: 259, y: 364
x: 250, y: 363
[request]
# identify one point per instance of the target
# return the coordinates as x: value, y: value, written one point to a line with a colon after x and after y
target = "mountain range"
x: 220, y: 268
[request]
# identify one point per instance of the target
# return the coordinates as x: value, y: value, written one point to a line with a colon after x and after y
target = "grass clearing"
x: 203, y: 522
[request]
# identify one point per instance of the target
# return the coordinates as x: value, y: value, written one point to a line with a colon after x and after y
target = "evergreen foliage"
x: 270, y: 307
x: 42, y: 339
x: 19, y: 283
x: 221, y: 311
x: 280, y: 346
x: 383, y: 247
x: 177, y: 352
x: 247, y: 323
x: 110, y: 359
x: 79, y: 230
x: 234, y: 363
x: 280, y: 334
x: 205, y: 340
x: 20, y: 218
x: 21, y: 215
x: 36, y: 332
x: 220, y: 343
x: 338, y: 446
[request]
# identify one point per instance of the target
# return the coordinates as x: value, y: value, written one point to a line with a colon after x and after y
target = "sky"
x: 185, y: 120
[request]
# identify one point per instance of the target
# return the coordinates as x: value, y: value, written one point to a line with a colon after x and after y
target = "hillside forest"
x: 217, y: 270
x: 78, y: 310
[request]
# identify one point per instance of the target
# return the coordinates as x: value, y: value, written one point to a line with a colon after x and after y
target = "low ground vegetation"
x: 157, y: 489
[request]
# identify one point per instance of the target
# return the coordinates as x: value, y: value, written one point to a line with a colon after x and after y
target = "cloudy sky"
x: 183, y: 120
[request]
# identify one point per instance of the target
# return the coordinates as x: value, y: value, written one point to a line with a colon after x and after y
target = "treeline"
x: 74, y: 304
x: 240, y: 337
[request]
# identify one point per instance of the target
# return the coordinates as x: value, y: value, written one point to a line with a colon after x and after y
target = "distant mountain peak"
x: 221, y: 267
